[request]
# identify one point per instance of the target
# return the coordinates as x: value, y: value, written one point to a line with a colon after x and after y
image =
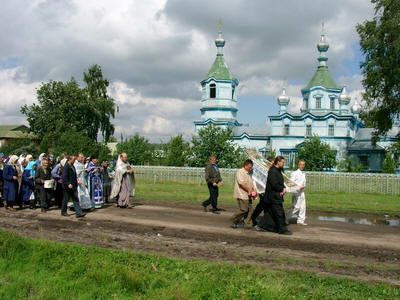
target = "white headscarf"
x: 13, y: 160
x: 41, y: 156
x: 21, y: 159
x: 63, y: 161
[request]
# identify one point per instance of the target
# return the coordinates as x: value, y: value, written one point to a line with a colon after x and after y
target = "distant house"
x: 12, y: 132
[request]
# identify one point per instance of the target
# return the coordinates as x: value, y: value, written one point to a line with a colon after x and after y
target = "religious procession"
x: 85, y: 184
x: 80, y: 183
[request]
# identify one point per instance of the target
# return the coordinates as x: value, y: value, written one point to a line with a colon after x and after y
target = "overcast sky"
x: 156, y: 52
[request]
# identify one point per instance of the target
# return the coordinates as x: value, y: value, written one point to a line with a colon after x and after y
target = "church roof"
x: 323, y: 78
x: 220, y: 70
x: 251, y: 130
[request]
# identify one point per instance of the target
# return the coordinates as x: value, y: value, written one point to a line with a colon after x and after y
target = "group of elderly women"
x: 26, y: 182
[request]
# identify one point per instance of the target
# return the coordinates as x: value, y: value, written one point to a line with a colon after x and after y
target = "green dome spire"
x: 322, y: 77
x: 219, y: 69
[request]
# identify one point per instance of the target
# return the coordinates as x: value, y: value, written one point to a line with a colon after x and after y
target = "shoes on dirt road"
x: 287, y: 232
x: 65, y: 214
x: 237, y: 225
x: 215, y: 211
x: 258, y: 228
x: 81, y: 215
x: 204, y: 208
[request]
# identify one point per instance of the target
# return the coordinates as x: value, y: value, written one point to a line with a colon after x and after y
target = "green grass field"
x: 316, y: 201
x: 39, y: 269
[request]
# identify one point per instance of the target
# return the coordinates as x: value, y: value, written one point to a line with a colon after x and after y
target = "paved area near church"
x: 363, y: 252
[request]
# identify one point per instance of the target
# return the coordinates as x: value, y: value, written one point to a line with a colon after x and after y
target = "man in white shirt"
x: 298, y: 198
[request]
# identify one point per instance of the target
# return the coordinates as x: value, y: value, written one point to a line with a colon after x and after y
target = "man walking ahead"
x: 213, y: 178
x: 244, y: 191
x: 298, y: 198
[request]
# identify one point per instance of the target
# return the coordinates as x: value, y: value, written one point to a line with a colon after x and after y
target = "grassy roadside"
x: 48, y: 270
x: 316, y: 201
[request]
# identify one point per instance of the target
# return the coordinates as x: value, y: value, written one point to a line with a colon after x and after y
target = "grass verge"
x: 338, y: 202
x: 40, y: 269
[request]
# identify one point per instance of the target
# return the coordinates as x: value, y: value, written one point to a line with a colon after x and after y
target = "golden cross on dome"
x: 220, y: 25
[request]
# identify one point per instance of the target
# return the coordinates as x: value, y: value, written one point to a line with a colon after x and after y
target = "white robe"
x: 120, y: 170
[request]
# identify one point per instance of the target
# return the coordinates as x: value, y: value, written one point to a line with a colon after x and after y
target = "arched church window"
x: 305, y: 103
x: 233, y: 91
x: 213, y: 90
x: 331, y: 130
x: 308, y: 130
x: 332, y: 103
x: 318, y: 103
x: 286, y: 129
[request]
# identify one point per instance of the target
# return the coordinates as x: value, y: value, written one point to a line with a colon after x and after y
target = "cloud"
x: 15, y: 92
x: 156, y: 52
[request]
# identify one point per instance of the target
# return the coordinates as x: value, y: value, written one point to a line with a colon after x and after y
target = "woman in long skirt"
x: 10, y: 177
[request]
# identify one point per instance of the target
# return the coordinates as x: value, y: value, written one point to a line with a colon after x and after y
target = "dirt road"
x: 370, y: 253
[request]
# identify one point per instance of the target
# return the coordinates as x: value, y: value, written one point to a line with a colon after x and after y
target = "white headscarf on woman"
x: 63, y: 161
x: 13, y: 160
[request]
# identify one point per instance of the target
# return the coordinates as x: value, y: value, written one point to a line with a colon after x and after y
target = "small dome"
x: 323, y: 45
x: 356, y: 108
x: 343, y: 97
x: 283, y: 99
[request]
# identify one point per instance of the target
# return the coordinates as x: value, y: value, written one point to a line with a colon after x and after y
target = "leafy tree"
x: 100, y: 106
x: 138, y: 149
x: 63, y: 107
x: 177, y: 152
x: 388, y: 165
x: 73, y: 142
x: 380, y: 43
x: 20, y: 146
x: 351, y: 165
x: 317, y: 154
x: 212, y: 140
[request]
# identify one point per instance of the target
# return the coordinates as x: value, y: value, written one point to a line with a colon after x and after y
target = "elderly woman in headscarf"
x: 10, y: 177
x: 27, y: 185
x: 43, y: 176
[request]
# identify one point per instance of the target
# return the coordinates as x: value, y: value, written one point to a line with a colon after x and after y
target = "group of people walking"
x: 84, y: 184
x: 271, y: 199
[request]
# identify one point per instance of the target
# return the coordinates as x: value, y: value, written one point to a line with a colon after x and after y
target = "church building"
x: 325, y: 112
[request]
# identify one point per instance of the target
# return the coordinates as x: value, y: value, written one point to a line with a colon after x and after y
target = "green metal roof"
x: 13, y: 131
x: 220, y: 70
x: 323, y: 78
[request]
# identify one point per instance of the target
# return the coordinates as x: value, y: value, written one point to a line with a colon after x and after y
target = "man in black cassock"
x: 274, y: 215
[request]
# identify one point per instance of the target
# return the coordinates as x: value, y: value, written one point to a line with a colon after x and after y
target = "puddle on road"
x: 362, y: 221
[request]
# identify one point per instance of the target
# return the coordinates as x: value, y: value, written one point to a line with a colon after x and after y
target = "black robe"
x: 274, y: 215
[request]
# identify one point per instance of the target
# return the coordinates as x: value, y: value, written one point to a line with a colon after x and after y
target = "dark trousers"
x: 213, y: 196
x: 278, y: 214
x: 44, y: 195
x: 10, y: 204
x: 73, y: 194
x: 59, y: 194
x: 261, y: 206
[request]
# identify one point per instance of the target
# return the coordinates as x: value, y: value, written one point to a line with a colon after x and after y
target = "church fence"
x: 316, y: 181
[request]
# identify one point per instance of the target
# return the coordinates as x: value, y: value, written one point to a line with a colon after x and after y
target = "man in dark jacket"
x: 213, y: 178
x: 70, y: 185
x: 274, y: 216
